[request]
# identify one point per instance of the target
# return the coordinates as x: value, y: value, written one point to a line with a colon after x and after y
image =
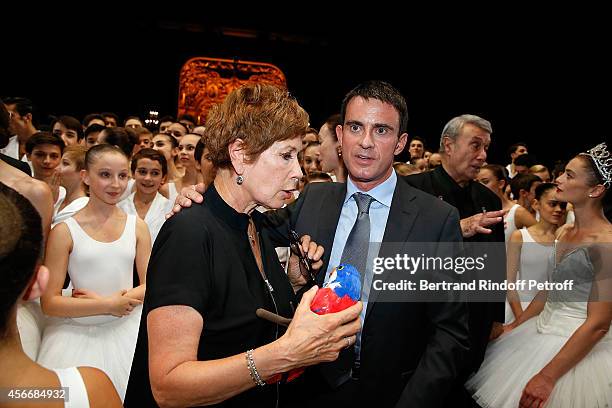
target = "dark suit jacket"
x: 411, y: 352
x: 471, y: 200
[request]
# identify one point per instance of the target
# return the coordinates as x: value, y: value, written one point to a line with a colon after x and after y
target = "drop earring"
x: 239, y: 179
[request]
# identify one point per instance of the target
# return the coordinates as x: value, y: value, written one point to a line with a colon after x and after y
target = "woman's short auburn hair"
x: 260, y: 115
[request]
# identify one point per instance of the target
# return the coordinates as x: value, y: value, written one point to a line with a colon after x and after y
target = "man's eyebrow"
x: 384, y: 125
x: 354, y: 122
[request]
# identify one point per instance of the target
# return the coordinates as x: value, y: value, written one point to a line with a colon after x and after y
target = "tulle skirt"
x: 513, y: 359
x: 108, y: 346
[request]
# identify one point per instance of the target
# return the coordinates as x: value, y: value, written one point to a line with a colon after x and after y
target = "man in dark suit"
x: 463, y: 146
x: 408, y: 353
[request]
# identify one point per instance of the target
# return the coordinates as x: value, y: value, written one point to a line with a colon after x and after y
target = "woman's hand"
x: 537, y: 391
x: 121, y: 305
x: 297, y: 273
x: 312, y: 338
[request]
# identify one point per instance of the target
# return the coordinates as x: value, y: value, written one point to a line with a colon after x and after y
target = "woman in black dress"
x: 200, y: 340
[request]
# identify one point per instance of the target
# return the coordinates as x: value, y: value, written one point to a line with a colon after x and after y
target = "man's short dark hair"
x: 514, y: 147
x: 94, y: 128
x: 43, y: 138
x: 381, y: 91
x: 23, y: 106
x: 524, y: 160
x: 88, y: 118
x: 522, y: 182
x: 70, y: 123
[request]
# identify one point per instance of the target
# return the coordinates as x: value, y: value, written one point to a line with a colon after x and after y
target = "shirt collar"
x: 450, y: 184
x: 225, y: 212
x: 383, y: 193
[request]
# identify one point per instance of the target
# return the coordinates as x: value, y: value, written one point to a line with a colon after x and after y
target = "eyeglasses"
x: 294, y: 243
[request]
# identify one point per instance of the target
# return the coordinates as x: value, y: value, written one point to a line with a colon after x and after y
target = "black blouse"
x: 202, y: 259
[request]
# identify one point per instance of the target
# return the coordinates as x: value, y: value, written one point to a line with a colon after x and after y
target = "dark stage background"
x: 547, y: 85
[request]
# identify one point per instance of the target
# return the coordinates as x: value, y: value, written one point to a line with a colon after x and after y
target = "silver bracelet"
x: 253, y: 370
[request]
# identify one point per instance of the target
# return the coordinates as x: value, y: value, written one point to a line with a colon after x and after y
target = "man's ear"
x: 27, y: 117
x: 401, y: 143
x: 237, y: 155
x: 38, y: 284
x: 447, y: 142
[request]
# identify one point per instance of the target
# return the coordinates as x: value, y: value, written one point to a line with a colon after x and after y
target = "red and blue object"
x: 341, y: 291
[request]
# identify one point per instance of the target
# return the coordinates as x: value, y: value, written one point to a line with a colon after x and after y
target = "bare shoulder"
x: 524, y: 214
x: 61, y: 233
x: 516, y: 236
x: 35, y: 190
x: 100, y: 390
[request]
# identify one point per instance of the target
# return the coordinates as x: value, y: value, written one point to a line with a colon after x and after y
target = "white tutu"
x: 109, y: 346
x: 513, y: 359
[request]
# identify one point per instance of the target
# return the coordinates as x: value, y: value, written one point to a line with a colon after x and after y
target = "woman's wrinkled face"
x: 273, y: 177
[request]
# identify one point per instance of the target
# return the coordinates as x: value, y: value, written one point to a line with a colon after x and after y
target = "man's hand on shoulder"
x: 186, y: 196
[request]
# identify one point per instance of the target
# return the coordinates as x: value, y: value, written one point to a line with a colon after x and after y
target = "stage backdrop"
x: 204, y: 82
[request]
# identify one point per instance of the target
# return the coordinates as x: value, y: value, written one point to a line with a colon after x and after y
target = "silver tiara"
x: 603, y: 162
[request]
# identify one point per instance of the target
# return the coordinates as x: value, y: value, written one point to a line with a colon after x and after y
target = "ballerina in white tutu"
x: 558, y: 353
x: 98, y: 246
x: 529, y: 249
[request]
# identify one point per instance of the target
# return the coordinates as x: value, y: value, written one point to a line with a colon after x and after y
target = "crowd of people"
x: 145, y: 267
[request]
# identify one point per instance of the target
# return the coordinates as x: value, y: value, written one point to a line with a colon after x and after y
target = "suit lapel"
x: 400, y: 222
x: 329, y: 211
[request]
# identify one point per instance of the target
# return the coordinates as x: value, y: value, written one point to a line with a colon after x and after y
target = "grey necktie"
x: 356, y: 249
